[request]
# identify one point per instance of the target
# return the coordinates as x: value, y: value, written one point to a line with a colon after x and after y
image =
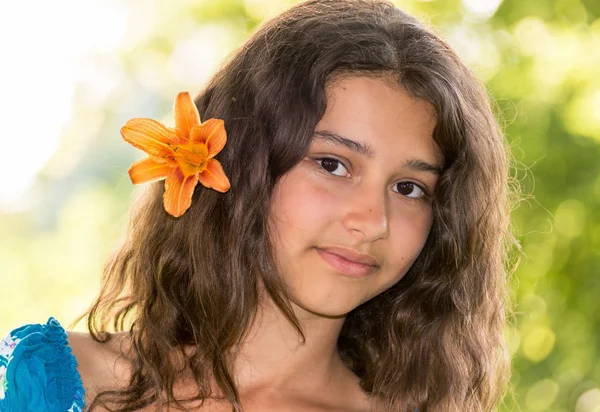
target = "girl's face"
x: 363, y: 193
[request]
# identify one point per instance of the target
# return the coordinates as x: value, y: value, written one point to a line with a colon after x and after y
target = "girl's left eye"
x: 411, y: 189
x: 330, y: 165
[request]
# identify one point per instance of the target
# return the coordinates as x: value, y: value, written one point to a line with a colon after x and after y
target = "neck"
x: 273, y: 354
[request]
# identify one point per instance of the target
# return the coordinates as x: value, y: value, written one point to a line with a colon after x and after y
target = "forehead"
x: 381, y: 113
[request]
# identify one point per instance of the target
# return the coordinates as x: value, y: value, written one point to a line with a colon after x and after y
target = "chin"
x: 334, y: 307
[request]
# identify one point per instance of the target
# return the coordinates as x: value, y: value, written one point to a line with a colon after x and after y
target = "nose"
x: 366, y: 215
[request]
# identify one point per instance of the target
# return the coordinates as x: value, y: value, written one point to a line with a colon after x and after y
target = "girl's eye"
x: 332, y: 165
x: 411, y: 189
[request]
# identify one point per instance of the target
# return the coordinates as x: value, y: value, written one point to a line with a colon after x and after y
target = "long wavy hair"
x: 433, y: 341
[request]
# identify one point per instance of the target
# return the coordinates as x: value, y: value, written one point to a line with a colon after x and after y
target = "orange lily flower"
x: 183, y: 156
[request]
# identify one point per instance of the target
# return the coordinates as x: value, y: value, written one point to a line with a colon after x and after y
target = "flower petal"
x: 214, y: 177
x: 149, y: 135
x: 186, y: 116
x: 212, y: 133
x: 178, y: 192
x: 147, y: 170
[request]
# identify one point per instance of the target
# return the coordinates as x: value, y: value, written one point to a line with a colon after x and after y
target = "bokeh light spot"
x: 582, y: 114
x: 570, y: 218
x: 541, y: 395
x: 532, y: 36
x: 538, y: 343
x: 589, y: 401
x: 482, y: 8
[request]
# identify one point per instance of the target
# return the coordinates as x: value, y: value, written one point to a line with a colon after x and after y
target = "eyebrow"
x: 367, y: 151
x: 338, y: 140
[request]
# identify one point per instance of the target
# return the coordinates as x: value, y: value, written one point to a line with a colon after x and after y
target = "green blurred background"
x: 75, y: 71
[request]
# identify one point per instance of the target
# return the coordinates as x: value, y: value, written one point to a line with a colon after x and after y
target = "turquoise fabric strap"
x: 38, y: 371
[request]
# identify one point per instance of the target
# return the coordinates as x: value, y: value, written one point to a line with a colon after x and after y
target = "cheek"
x: 408, y: 234
x: 414, y: 222
x: 422, y: 227
x: 300, y: 215
x: 300, y: 208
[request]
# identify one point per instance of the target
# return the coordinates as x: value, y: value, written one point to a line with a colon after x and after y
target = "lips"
x: 351, y: 255
x: 345, y: 266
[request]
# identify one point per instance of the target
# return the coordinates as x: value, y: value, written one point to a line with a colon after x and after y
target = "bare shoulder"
x: 350, y: 395
x: 100, y: 365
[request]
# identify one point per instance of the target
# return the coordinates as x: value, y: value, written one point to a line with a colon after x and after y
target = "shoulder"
x: 101, y: 365
x: 38, y: 370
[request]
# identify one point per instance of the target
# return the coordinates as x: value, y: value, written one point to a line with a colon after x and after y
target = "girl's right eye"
x: 331, y: 165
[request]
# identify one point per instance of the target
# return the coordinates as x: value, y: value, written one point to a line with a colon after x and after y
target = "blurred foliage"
x: 540, y: 60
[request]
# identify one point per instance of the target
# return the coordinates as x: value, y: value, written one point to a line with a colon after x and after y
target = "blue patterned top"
x: 38, y: 371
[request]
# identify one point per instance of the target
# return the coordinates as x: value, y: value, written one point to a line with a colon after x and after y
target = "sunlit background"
x: 73, y: 71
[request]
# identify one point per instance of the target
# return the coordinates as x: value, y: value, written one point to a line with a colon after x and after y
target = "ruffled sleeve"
x: 38, y: 371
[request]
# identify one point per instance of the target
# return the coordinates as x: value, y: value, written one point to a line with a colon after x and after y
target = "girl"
x: 344, y: 250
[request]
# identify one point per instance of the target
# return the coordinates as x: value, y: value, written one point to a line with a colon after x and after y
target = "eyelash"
x: 318, y: 160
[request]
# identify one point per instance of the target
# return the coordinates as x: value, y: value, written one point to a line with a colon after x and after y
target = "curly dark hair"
x: 434, y: 340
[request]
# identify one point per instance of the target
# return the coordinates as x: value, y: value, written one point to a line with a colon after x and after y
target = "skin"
x: 357, y: 204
